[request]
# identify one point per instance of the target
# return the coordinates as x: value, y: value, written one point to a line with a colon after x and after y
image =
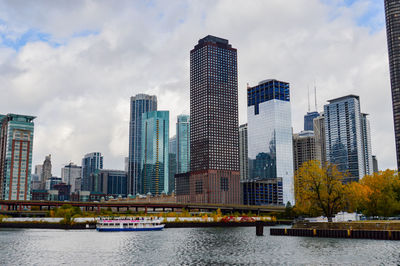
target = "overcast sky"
x: 74, y: 64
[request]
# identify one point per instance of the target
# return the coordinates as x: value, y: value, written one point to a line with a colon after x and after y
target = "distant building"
x: 155, y: 152
x: 110, y: 182
x: 36, y: 184
x: 172, y: 165
x: 182, y: 187
x: 262, y: 192
x: 90, y: 163
x: 243, y: 152
x: 309, y: 120
x: 78, y: 184
x: 270, y: 144
x: 16, y: 143
x: 39, y: 171
x: 51, y: 182
x: 304, y: 148
x: 320, y: 139
x: 69, y: 173
x: 348, y: 143
x: 214, y: 125
x: 64, y: 191
x: 375, y: 164
x: 46, y: 170
x: 183, y: 143
x: 126, y: 164
x: 140, y: 104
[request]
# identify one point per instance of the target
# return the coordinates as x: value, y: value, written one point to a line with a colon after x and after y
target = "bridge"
x: 20, y: 205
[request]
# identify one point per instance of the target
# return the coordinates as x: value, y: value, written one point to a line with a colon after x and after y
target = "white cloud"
x: 80, y: 90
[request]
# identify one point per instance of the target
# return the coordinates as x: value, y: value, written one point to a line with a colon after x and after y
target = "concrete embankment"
x: 365, y: 230
x: 91, y: 225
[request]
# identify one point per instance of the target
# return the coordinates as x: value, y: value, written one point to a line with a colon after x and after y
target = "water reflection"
x: 188, y: 246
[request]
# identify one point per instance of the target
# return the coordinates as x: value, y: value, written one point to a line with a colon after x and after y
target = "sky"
x: 75, y: 64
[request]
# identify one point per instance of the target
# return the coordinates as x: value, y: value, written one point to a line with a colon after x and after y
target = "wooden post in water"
x: 259, y: 228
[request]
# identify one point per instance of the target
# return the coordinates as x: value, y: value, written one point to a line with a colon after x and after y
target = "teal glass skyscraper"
x: 183, y: 144
x: 16, y: 142
x: 155, y: 152
x: 140, y: 104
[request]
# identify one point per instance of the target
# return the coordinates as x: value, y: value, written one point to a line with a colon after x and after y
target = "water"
x: 187, y: 246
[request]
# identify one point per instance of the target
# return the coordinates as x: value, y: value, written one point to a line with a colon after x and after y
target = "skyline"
x: 339, y: 44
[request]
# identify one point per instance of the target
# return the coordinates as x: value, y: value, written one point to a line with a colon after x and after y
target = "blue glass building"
x: 270, y: 144
x: 90, y: 163
x: 155, y: 152
x: 110, y: 182
x: 183, y: 144
x: 172, y: 163
x: 140, y: 104
x: 347, y: 137
x: 309, y: 120
x: 16, y: 143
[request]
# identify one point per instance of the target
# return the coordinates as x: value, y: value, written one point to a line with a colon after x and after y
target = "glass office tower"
x: 392, y: 10
x: 243, y: 152
x: 90, y: 163
x: 270, y: 145
x: 16, y: 142
x: 155, y: 152
x: 214, y: 133
x: 309, y: 121
x: 183, y: 143
x: 172, y: 166
x: 140, y: 104
x: 348, y: 143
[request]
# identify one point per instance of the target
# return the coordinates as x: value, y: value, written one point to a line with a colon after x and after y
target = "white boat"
x: 129, y: 224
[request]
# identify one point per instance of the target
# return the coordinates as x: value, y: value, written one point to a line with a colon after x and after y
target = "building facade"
x: 262, y: 192
x: 155, y: 152
x: 243, y: 153
x: 140, y: 104
x: 172, y: 166
x: 16, y: 142
x: 375, y: 168
x: 46, y: 170
x: 320, y: 140
x: 214, y: 136
x: 90, y: 163
x: 183, y: 143
x: 304, y: 148
x: 392, y: 11
x: 348, y: 143
x: 110, y: 182
x: 270, y: 144
x: 69, y: 173
x: 309, y: 120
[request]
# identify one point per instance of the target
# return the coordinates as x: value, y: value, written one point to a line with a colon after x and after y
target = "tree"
x: 319, y: 190
x: 377, y: 194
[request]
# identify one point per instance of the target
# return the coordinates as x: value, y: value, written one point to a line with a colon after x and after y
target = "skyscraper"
x: 46, y: 170
x: 309, y: 120
x: 304, y: 148
x: 69, y: 173
x: 140, y: 104
x: 155, y: 152
x: 183, y: 143
x: 243, y: 152
x: 172, y: 166
x: 90, y: 163
x: 348, y: 143
x: 392, y: 10
x: 320, y: 139
x: 214, y: 136
x: 16, y: 142
x: 270, y: 134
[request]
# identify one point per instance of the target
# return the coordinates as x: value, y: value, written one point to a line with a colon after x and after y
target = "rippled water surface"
x: 187, y: 246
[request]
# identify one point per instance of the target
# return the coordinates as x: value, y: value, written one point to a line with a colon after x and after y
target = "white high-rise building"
x: 70, y: 173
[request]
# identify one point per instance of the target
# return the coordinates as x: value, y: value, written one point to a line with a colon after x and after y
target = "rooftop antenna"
x: 308, y: 90
x: 315, y: 96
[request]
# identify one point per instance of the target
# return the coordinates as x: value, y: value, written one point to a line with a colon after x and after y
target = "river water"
x: 187, y: 246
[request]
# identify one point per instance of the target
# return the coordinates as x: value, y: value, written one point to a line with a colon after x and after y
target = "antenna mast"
x: 315, y: 97
x: 308, y: 93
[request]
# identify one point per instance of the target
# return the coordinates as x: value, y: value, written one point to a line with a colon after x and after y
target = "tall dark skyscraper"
x: 214, y: 134
x: 392, y: 10
x: 140, y: 104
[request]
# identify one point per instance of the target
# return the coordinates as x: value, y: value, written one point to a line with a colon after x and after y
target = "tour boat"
x: 130, y: 224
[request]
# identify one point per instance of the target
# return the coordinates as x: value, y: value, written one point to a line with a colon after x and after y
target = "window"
x: 224, y: 184
x: 199, y: 187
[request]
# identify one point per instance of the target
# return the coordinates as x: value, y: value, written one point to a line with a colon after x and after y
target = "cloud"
x: 80, y: 89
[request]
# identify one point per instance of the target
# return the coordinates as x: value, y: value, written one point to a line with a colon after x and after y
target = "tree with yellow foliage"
x: 319, y: 190
x: 377, y: 194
